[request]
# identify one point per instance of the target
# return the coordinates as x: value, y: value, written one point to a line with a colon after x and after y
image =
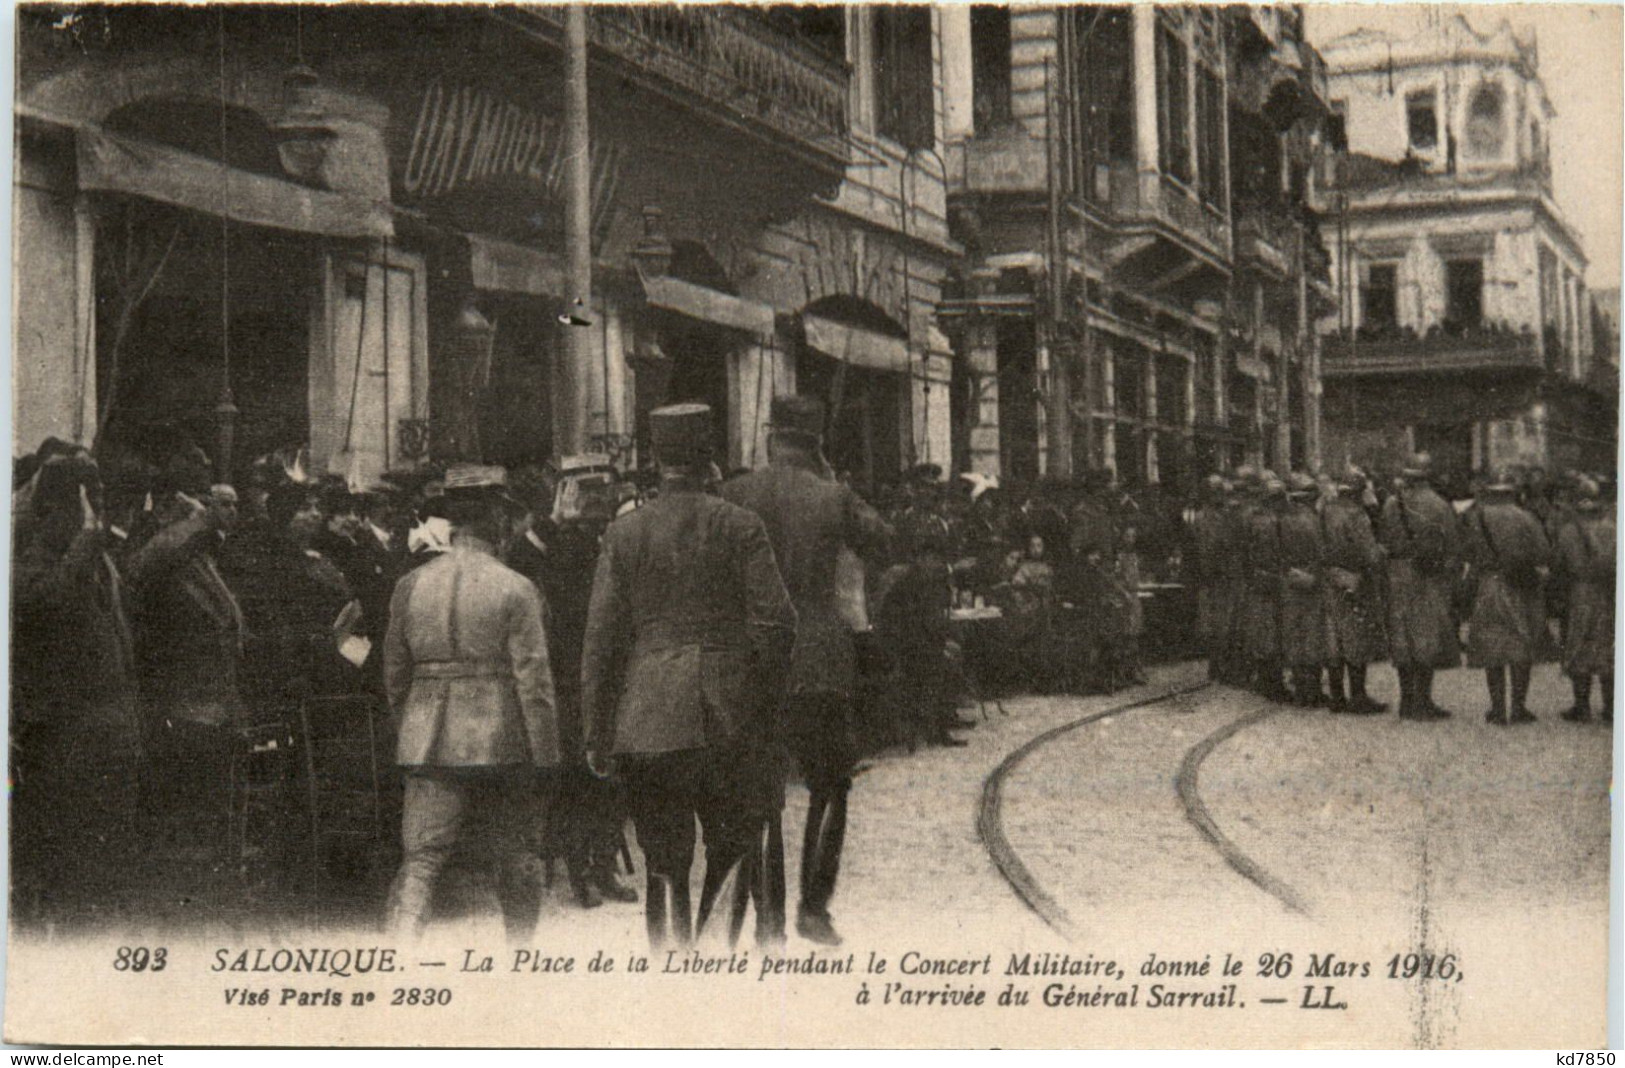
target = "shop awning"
x: 856, y: 345
x: 504, y: 267
x: 709, y: 305
x: 111, y: 163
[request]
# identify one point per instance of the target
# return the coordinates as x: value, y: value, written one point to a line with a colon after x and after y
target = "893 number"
x: 140, y: 959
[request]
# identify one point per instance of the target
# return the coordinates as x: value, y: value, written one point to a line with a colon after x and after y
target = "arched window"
x: 1485, y: 130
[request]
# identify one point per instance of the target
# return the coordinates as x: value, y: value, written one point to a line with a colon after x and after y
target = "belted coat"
x: 466, y: 665
x: 1508, y: 624
x: 1350, y: 584
x: 1586, y: 557
x: 1422, y: 538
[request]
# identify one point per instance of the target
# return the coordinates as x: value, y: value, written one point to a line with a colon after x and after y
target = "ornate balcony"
x: 1407, y: 353
x: 729, y: 60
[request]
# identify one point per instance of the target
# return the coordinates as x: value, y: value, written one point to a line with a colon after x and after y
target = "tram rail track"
x: 990, y: 813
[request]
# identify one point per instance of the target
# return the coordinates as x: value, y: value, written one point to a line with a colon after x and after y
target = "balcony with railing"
x: 1145, y: 201
x: 731, y: 60
x: 1479, y: 347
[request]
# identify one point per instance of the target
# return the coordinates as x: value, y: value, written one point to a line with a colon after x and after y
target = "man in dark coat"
x: 1510, y: 557
x: 587, y: 812
x: 1586, y: 558
x: 1092, y: 584
x: 689, y: 633
x: 75, y: 737
x: 189, y: 644
x: 1303, y: 620
x: 1422, y: 539
x: 1265, y: 568
x: 1350, y: 587
x: 809, y: 519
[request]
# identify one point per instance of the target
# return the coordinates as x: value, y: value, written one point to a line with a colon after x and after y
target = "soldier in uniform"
x: 1352, y: 560
x: 809, y: 519
x: 1510, y: 557
x: 689, y: 632
x: 1302, y: 603
x: 1585, y: 554
x: 466, y: 671
x: 1420, y: 534
x: 1262, y: 607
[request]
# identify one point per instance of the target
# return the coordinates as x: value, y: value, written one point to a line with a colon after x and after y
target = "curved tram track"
x: 990, y: 813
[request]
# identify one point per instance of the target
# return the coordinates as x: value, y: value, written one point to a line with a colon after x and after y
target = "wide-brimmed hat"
x: 681, y: 433
x: 797, y: 415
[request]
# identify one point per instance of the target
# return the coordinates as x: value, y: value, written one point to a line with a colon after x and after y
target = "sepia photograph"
x: 813, y: 526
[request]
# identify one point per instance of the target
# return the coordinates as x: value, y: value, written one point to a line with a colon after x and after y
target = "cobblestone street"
x: 1391, y: 836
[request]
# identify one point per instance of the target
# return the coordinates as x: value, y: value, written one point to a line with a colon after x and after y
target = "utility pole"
x: 569, y: 371
x: 1058, y: 409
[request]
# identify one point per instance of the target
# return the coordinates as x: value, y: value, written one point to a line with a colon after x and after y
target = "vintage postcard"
x: 813, y: 525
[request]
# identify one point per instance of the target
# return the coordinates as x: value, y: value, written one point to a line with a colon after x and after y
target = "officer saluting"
x: 466, y: 671
x: 689, y: 632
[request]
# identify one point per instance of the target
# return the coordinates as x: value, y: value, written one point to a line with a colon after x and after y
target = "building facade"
x: 266, y: 227
x: 1463, y: 325
x: 1132, y: 187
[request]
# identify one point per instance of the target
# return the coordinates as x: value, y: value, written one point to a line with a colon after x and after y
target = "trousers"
x: 481, y: 814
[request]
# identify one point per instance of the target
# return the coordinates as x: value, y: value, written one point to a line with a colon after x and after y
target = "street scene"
x: 1113, y: 481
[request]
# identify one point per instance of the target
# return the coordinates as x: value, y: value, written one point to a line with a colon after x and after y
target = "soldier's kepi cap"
x: 465, y: 482
x: 798, y: 416
x: 681, y: 433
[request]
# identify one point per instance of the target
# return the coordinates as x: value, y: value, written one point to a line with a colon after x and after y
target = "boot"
x: 1407, y: 690
x: 1306, y: 686
x: 582, y: 887
x: 1520, y: 694
x: 1496, y: 679
x: 603, y: 880
x: 1360, y: 702
x: 816, y: 927
x: 1424, y: 695
x: 1581, y: 710
x: 1337, y: 696
x: 821, y: 847
x: 768, y: 888
x: 657, y: 904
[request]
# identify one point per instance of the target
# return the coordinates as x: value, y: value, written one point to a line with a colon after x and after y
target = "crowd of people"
x: 1304, y: 583
x: 551, y: 655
